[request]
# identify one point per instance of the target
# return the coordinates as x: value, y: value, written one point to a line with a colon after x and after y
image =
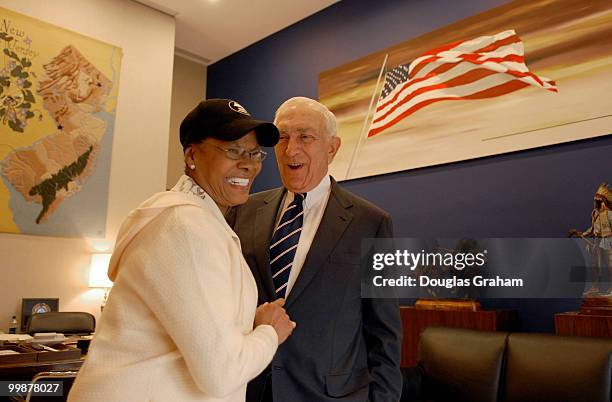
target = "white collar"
x: 315, y: 195
x: 189, y: 186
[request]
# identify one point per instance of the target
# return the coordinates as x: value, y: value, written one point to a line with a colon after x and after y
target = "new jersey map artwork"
x: 527, y: 74
x: 58, y: 93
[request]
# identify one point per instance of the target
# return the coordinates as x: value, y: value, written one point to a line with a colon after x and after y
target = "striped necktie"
x: 284, y: 243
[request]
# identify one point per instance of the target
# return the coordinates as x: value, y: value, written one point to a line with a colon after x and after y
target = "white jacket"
x: 178, y: 325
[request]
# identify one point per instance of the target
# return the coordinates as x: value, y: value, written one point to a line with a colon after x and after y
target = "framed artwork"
x: 58, y: 98
x: 527, y: 74
x: 36, y: 306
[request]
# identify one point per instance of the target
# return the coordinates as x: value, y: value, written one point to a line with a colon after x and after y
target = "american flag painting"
x: 484, y: 67
x: 526, y: 74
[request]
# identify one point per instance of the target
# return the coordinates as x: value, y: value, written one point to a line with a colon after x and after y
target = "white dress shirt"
x: 314, y: 206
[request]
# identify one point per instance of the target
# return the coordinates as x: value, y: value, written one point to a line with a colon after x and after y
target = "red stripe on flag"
x: 490, y: 47
x: 448, y: 66
x: 415, y: 70
x: 498, y: 90
x: 437, y: 71
x: 463, y: 79
x: 472, y: 58
x: 515, y: 73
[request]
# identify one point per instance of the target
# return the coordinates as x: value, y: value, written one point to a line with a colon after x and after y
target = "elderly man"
x: 302, y: 242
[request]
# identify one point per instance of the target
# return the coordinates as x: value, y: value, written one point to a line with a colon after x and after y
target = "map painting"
x: 58, y: 92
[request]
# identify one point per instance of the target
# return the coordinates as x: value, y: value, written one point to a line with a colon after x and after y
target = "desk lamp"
x: 98, y: 277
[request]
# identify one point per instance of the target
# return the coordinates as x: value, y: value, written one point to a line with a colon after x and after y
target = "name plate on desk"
x: 448, y: 304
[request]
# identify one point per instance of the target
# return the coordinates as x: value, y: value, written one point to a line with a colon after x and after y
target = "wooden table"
x: 415, y: 320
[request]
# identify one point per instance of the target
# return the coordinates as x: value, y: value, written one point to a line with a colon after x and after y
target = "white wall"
x: 55, y: 267
x: 188, y: 88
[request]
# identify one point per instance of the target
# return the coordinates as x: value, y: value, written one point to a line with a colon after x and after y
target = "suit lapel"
x: 334, y: 222
x: 265, y: 219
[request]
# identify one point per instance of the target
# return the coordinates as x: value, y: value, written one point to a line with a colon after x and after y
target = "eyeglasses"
x: 237, y: 153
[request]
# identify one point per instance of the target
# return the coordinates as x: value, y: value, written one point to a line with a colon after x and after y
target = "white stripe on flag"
x: 411, y: 86
x: 509, y: 59
x: 510, y: 51
x: 456, y: 69
x: 468, y: 46
x: 456, y: 92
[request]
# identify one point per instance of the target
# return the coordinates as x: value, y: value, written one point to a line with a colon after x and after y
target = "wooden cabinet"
x: 415, y: 320
x: 575, y: 323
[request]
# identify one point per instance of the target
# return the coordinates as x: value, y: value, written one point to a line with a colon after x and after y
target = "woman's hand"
x: 275, y: 315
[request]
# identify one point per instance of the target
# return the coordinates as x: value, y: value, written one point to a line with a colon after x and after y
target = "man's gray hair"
x: 331, y: 126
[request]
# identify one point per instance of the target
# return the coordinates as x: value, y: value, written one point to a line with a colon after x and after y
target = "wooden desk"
x: 415, y: 320
x: 574, y: 323
x: 25, y: 371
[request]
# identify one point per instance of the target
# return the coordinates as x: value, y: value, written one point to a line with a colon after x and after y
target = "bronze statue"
x: 600, y: 247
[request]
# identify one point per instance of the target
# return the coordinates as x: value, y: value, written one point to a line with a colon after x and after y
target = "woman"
x: 181, y: 322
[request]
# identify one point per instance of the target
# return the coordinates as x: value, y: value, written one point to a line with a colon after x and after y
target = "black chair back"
x: 74, y: 322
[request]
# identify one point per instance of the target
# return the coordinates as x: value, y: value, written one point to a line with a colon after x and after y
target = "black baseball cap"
x: 225, y: 120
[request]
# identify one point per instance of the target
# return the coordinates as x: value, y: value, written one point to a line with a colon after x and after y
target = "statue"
x: 599, y: 241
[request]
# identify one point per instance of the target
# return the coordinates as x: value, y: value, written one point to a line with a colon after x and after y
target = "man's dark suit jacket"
x: 344, y: 347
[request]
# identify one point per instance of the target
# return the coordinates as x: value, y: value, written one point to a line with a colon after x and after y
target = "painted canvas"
x: 523, y: 75
x: 58, y: 93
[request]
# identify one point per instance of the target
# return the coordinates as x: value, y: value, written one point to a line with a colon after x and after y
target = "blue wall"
x: 536, y: 193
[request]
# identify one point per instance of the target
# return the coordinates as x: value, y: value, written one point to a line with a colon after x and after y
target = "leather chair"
x: 63, y: 322
x: 484, y: 366
x: 456, y: 365
x: 544, y: 367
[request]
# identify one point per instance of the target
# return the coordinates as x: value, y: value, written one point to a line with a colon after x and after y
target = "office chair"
x: 63, y: 322
x: 67, y: 378
x: 71, y: 323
